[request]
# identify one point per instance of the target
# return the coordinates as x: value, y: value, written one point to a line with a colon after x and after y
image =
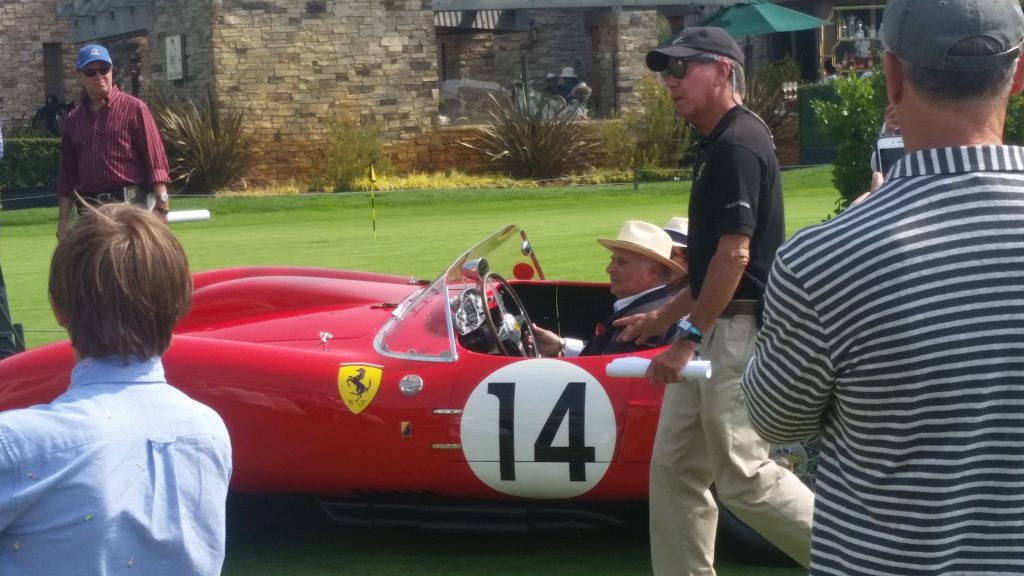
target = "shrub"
x: 852, y: 122
x: 525, y: 144
x: 208, y: 148
x: 30, y: 162
x: 22, y: 128
x: 764, y: 92
x: 649, y: 135
x: 347, y: 155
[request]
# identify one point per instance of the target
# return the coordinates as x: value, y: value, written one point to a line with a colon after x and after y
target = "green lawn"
x: 417, y: 233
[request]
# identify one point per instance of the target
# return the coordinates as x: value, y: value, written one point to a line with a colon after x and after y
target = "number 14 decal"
x: 571, y: 405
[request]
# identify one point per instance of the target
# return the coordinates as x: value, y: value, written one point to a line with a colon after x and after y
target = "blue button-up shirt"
x: 122, y: 471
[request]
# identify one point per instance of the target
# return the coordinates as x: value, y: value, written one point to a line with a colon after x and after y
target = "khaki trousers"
x: 704, y: 436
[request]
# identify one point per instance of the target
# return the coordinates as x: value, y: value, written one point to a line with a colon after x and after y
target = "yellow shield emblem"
x: 357, y: 385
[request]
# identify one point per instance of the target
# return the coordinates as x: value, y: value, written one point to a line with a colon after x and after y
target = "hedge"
x: 30, y: 162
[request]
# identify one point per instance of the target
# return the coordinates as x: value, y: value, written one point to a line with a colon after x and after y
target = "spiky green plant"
x: 527, y: 144
x: 208, y: 148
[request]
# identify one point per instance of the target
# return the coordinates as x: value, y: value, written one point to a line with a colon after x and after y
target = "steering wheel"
x: 515, y: 325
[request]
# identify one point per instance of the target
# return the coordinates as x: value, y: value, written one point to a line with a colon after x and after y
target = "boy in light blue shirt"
x: 122, y: 472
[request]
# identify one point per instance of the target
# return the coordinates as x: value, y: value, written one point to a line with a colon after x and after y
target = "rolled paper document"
x: 188, y: 216
x: 637, y: 367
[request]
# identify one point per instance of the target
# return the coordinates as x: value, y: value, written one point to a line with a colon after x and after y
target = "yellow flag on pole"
x: 373, y: 207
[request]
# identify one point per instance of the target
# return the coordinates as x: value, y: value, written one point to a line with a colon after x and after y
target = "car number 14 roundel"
x: 539, y: 428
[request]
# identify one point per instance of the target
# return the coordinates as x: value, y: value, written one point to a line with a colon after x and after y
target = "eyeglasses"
x: 678, y: 67
x: 94, y: 71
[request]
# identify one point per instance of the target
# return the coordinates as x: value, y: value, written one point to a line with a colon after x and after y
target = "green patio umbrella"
x: 760, y: 17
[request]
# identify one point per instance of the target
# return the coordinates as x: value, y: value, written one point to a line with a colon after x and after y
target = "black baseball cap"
x: 695, y: 41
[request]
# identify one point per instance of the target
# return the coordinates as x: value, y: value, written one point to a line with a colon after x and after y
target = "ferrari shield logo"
x: 357, y: 385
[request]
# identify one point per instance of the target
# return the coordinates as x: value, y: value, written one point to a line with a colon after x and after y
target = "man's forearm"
x: 63, y: 209
x: 723, y: 278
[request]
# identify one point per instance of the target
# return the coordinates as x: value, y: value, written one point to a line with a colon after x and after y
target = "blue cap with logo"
x: 92, y: 53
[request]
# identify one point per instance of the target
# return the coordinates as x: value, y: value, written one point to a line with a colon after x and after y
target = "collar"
x: 720, y: 127
x: 958, y: 160
x: 113, y: 370
x: 112, y: 97
x: 623, y: 302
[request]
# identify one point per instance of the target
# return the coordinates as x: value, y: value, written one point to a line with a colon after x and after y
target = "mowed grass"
x: 415, y: 233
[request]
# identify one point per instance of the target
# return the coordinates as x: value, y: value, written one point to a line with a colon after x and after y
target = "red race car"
x: 387, y: 394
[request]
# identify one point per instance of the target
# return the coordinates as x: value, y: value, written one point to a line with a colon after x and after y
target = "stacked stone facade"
x: 26, y: 26
x: 294, y: 67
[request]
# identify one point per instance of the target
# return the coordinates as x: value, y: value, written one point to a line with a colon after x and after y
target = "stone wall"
x: 130, y: 56
x: 194, y: 21
x: 26, y: 26
x: 623, y: 39
x: 293, y: 65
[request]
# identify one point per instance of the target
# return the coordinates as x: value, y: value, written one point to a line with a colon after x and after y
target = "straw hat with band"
x: 645, y: 239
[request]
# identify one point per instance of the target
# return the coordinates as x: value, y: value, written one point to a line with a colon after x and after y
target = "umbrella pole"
x: 748, y: 56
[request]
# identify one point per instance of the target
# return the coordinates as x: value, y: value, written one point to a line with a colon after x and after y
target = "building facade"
x: 293, y: 66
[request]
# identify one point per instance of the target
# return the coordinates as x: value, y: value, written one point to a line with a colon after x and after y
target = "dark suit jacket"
x: 604, y: 342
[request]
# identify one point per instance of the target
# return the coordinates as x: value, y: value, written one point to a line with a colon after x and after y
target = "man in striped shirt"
x: 897, y: 328
x: 110, y: 142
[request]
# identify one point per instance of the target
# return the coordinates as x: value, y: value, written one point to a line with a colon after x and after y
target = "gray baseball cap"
x: 921, y: 32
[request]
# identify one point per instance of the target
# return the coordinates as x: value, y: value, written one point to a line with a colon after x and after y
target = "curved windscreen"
x: 421, y: 327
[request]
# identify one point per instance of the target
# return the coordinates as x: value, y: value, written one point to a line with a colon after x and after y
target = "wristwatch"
x: 689, y: 332
x: 161, y: 208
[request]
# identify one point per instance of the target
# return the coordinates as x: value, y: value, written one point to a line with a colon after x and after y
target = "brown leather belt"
x: 740, y: 308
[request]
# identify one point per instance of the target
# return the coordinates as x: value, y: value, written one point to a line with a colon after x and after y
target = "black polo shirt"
x: 736, y: 190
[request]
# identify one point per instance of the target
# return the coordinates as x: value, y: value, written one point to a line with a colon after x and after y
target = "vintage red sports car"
x: 387, y: 394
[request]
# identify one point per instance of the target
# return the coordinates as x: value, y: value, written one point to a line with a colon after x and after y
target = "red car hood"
x: 291, y: 305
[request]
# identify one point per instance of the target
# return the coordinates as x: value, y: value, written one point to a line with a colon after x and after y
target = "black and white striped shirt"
x: 897, y: 329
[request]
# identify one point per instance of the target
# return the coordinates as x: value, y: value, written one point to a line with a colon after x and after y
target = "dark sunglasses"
x: 678, y: 67
x: 94, y: 71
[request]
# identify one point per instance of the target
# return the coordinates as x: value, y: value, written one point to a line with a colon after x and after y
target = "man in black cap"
x: 735, y: 226
x: 895, y: 328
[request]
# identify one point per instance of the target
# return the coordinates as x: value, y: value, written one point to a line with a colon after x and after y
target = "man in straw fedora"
x: 640, y: 267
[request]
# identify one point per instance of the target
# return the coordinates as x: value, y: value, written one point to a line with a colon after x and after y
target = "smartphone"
x: 888, y: 149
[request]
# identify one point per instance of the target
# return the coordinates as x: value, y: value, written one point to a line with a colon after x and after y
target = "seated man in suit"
x: 639, y: 270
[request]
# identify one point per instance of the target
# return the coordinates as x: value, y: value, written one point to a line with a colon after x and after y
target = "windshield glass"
x: 421, y: 327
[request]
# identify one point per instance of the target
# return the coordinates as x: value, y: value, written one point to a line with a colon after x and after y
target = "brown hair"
x: 120, y: 281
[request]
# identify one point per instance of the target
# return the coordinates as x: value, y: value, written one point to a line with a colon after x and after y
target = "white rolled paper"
x: 637, y: 367
x: 188, y: 216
